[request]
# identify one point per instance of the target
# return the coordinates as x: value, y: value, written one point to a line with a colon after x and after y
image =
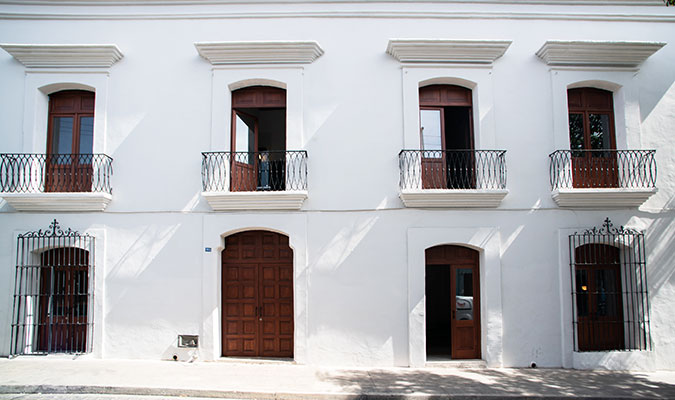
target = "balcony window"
x: 593, y: 172
x: 69, y: 176
x: 258, y: 172
x: 447, y: 171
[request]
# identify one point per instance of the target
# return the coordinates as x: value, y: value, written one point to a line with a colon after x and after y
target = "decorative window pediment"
x: 447, y: 50
x: 264, y: 52
x: 597, y: 53
x: 64, y: 55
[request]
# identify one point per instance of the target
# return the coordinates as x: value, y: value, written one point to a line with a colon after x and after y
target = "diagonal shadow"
x: 499, y: 383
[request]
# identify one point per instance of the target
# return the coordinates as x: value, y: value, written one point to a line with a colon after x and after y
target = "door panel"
x: 261, y: 264
x: 464, y: 325
x: 433, y: 164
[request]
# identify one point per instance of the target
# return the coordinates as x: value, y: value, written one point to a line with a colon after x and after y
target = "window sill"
x: 97, y: 201
x: 283, y: 200
x: 602, y: 197
x: 453, y: 198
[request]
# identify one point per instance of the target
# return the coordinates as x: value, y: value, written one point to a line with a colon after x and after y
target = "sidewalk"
x: 288, y: 381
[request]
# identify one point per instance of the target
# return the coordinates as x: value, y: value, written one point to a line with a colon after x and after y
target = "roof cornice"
x: 447, y: 50
x: 64, y: 55
x: 597, y: 53
x: 262, y: 52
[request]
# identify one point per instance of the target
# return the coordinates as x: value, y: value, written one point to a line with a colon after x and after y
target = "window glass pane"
x: 599, y: 124
x: 430, y: 129
x: 62, y: 135
x: 464, y: 293
x: 86, y: 135
x: 576, y: 132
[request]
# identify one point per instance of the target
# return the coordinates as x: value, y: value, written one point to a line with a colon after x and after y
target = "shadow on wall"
x: 660, y: 243
x: 499, y: 382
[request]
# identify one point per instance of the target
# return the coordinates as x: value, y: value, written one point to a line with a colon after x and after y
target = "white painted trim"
x: 487, y: 241
x: 64, y: 55
x: 227, y: 201
x: 58, y: 201
x: 448, y: 198
x: 597, y: 53
x: 602, y: 197
x: 215, y: 2
x: 446, y: 15
x: 447, y: 50
x: 263, y: 52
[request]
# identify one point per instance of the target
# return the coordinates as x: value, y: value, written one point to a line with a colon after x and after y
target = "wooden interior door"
x: 257, y: 301
x: 63, y: 305
x: 591, y: 127
x: 244, y: 177
x: 68, y: 166
x: 599, y: 298
x: 432, y: 136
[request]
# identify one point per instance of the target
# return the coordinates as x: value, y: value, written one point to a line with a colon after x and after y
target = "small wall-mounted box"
x: 188, y: 341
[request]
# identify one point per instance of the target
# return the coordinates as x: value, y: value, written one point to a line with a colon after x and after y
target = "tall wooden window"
x: 592, y: 139
x: 446, y: 137
x: 70, y: 141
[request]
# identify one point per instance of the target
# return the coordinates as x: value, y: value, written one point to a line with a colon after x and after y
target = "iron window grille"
x: 609, y: 289
x: 53, y: 292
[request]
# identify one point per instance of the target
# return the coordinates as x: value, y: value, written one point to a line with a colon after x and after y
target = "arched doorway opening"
x: 452, y: 292
x: 257, y: 295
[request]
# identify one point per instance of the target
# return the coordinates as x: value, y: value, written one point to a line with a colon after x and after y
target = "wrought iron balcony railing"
x: 254, y: 171
x: 452, y: 169
x: 632, y: 169
x: 38, y: 173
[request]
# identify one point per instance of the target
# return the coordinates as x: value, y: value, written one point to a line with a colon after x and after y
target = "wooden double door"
x: 452, y: 303
x: 257, y: 295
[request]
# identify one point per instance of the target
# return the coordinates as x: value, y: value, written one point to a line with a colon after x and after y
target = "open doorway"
x: 258, y: 139
x: 452, y: 303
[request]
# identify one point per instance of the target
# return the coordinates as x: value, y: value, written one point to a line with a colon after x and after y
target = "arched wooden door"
x: 257, y: 295
x: 452, y: 302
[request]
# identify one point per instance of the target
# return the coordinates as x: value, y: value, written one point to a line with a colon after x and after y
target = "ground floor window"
x: 609, y: 289
x: 53, y: 294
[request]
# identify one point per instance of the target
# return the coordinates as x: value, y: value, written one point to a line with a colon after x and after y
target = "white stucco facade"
x: 358, y: 251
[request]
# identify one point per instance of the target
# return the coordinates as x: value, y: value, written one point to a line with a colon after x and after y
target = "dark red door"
x: 63, y: 305
x: 599, y: 296
x: 257, y: 300
x: 68, y: 167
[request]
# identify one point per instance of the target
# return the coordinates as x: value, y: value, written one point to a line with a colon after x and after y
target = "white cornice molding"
x: 597, y: 53
x: 453, y: 198
x: 58, y: 201
x: 447, y: 50
x: 232, y: 201
x: 612, y: 3
x: 601, y: 198
x: 64, y: 55
x: 263, y: 52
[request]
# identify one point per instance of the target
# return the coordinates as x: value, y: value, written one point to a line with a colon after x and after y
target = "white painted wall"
x: 357, y: 251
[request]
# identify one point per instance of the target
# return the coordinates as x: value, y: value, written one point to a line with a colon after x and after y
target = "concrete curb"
x: 225, y: 394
